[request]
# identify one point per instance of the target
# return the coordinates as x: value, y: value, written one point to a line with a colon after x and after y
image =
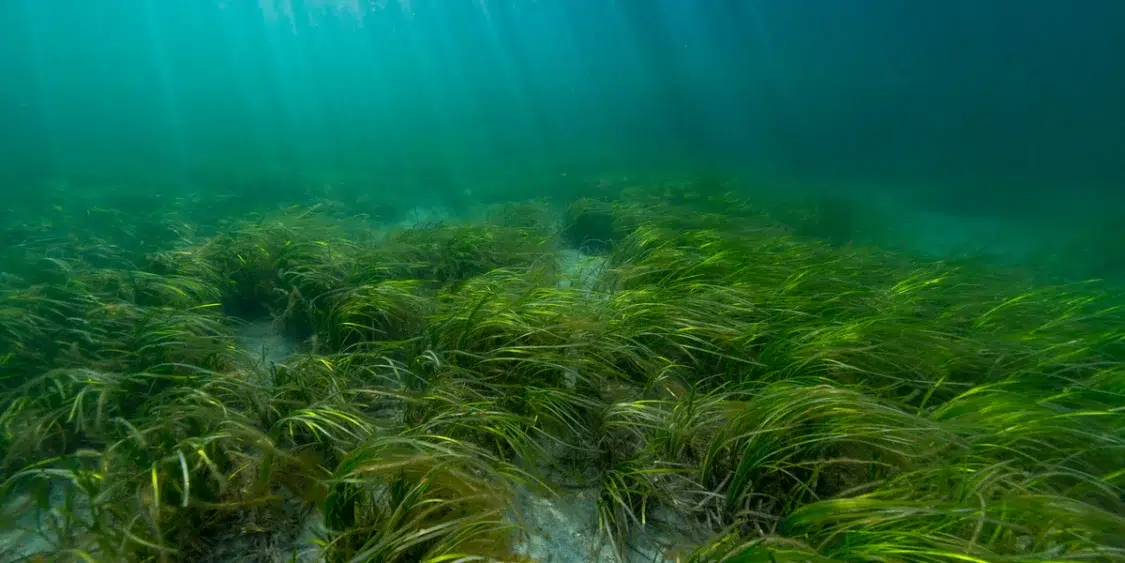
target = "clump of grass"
x: 416, y: 498
x: 390, y: 310
x: 250, y: 258
x: 451, y: 253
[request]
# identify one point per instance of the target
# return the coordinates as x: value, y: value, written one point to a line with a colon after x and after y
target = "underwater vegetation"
x: 723, y: 389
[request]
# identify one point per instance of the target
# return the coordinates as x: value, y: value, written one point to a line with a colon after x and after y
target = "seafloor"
x: 668, y: 375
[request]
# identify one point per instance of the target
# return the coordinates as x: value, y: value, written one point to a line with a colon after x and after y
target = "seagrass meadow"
x: 668, y: 375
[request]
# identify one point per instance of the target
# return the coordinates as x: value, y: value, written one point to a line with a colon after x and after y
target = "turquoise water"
x: 961, y: 108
